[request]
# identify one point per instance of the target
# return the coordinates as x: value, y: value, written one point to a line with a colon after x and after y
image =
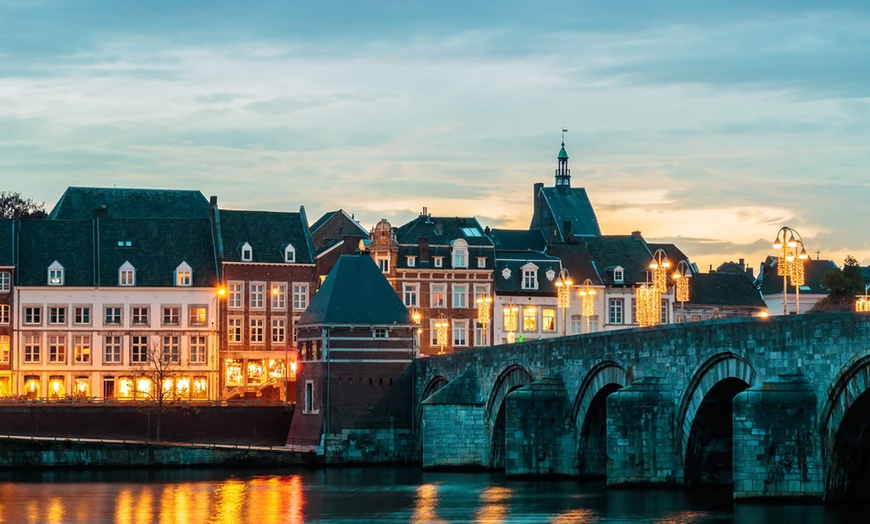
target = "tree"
x: 13, y: 205
x: 842, y: 285
x: 161, y: 369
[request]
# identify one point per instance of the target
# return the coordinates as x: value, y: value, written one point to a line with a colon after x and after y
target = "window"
x: 55, y: 274
x: 460, y: 333
x: 171, y: 315
x: 197, y: 349
x: 57, y: 315
x: 438, y: 295
x: 139, y: 349
x: 170, y: 349
x: 530, y: 319
x: 411, y: 261
x: 300, y: 296
x: 257, y: 330
x: 618, y: 275
x: 140, y: 316
x: 383, y: 262
x: 57, y: 349
x: 410, y: 294
x: 113, y: 316
x: 471, y: 232
x: 4, y: 313
x: 479, y: 334
x: 481, y: 262
x: 381, y: 333
x: 5, y: 281
x: 615, y: 311
x: 460, y: 253
x: 530, y: 278
x: 246, y: 252
x: 183, y: 275
x: 82, y: 349
x: 460, y: 295
x: 548, y: 319
x: 439, y: 261
x: 289, y: 254
x: 593, y: 324
x: 32, y: 347
x: 309, y: 396
x: 197, y: 315
x: 480, y: 291
x: 127, y: 275
x: 82, y: 315
x: 663, y: 316
x: 4, y: 348
x: 576, y: 324
x: 32, y: 315
x: 696, y: 318
x: 258, y: 292
x: 112, y: 350
x: 234, y: 330
x: 237, y: 292
x: 279, y: 296
x: 279, y: 330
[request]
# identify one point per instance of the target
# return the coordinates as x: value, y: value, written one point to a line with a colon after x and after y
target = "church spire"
x: 563, y: 174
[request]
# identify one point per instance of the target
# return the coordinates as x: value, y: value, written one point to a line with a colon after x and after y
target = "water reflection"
x: 382, y: 495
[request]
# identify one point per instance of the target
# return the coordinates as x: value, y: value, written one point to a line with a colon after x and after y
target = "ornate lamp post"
x: 415, y: 340
x: 682, y: 274
x: 441, y: 325
x: 510, y: 321
x: 484, y: 315
x: 563, y: 288
x: 587, y: 295
x: 659, y: 266
x: 790, y: 264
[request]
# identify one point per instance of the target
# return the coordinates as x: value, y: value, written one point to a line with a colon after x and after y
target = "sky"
x: 708, y: 126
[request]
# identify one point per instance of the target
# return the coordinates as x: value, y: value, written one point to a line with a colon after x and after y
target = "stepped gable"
x: 355, y: 292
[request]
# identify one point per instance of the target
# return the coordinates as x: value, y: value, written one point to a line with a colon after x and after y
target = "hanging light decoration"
x: 659, y: 266
x: 681, y: 279
x: 790, y: 264
x: 647, y: 308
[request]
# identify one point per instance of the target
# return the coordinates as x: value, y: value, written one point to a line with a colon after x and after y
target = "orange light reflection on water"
x: 494, y: 506
x: 576, y: 516
x: 426, y: 504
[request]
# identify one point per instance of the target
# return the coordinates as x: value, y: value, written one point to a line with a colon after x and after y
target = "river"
x: 358, y: 495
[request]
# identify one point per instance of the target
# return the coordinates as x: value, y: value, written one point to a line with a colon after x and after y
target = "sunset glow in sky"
x: 707, y: 126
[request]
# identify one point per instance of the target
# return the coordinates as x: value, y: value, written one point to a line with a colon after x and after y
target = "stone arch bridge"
x: 775, y: 406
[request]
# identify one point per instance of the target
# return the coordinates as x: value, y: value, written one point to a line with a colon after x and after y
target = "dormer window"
x: 127, y: 274
x: 618, y: 275
x: 411, y: 261
x: 289, y: 254
x: 439, y: 261
x: 246, y: 252
x: 530, y: 276
x: 183, y: 275
x: 55, y: 274
x: 460, y: 253
x: 481, y: 262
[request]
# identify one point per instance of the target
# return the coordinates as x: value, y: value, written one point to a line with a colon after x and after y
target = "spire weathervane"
x: 563, y: 136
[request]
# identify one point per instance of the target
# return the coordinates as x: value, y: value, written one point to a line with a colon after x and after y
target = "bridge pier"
x: 539, y: 438
x: 641, y: 447
x: 454, y: 427
x: 776, y: 448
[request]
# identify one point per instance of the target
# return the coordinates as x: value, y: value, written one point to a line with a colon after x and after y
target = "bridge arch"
x: 707, y: 400
x: 845, y: 431
x: 512, y: 377
x: 589, y: 415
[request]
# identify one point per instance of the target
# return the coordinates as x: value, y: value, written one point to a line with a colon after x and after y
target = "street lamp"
x: 415, y: 339
x: 790, y: 264
x: 659, y: 266
x: 682, y: 274
x: 510, y: 321
x: 587, y: 294
x: 484, y: 315
x: 563, y: 289
x: 441, y: 325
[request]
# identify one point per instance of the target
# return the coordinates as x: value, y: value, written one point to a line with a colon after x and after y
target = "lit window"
x: 258, y: 292
x: 234, y: 330
x: 530, y: 319
x: 410, y: 294
x: 5, y: 281
x: 289, y: 254
x: 197, y: 316
x: 112, y: 350
x: 279, y: 330
x: 300, y: 296
x: 139, y: 349
x: 127, y: 275
x: 82, y: 349
x: 236, y: 295
x: 548, y: 319
x: 200, y: 388
x: 197, y: 349
x: 171, y: 315
x: 4, y: 313
x: 183, y: 277
x: 55, y: 274
x: 4, y: 348
x: 57, y: 349
x: 438, y: 295
x: 257, y: 330
x: 279, y: 296
x: 56, y: 389
x: 234, y: 372
x: 460, y: 295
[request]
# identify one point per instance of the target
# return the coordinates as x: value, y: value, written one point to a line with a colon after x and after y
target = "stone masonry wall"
x: 455, y: 436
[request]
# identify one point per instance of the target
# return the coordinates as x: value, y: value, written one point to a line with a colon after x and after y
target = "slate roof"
x: 79, y: 203
x: 442, y: 230
x: 514, y: 261
x: 724, y: 289
x: 355, y: 228
x: 7, y: 238
x: 577, y: 259
x: 518, y: 239
x: 69, y: 242
x: 267, y: 232
x: 571, y: 204
x: 628, y: 251
x: 814, y: 271
x: 673, y: 253
x: 355, y: 292
x: 157, y: 247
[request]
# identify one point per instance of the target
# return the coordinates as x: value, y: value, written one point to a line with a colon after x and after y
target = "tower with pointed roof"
x: 563, y: 174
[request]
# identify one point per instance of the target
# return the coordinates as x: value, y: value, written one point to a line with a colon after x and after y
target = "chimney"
x: 637, y: 235
x: 425, y: 211
x: 536, y: 204
x: 424, y: 248
x: 212, y: 201
x: 101, y: 212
